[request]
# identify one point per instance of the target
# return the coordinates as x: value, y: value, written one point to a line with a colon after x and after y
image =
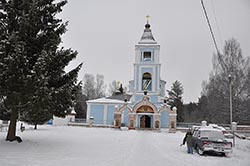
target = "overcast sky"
x: 104, y: 32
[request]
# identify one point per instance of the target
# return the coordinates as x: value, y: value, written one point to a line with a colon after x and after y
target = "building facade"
x: 144, y: 106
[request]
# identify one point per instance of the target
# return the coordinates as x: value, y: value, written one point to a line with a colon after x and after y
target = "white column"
x: 105, y: 114
x: 137, y: 124
x: 139, y: 79
x: 122, y: 116
x: 88, y: 112
x: 154, y: 77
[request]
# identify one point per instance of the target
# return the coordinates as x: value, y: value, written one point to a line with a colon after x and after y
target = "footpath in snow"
x: 80, y: 146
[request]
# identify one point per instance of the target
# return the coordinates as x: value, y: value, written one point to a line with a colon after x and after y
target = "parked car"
x: 208, y: 139
x: 226, y: 133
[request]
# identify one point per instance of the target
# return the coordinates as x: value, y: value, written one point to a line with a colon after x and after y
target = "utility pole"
x: 231, y: 107
x: 230, y: 98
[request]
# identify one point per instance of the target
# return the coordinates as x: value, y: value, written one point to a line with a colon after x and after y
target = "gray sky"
x: 104, y: 32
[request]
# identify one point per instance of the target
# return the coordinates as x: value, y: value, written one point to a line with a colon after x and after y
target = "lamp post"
x: 230, y: 98
x: 231, y: 107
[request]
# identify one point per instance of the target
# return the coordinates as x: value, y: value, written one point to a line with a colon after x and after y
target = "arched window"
x: 147, y: 82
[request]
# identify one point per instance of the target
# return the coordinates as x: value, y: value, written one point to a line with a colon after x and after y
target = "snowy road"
x: 78, y: 146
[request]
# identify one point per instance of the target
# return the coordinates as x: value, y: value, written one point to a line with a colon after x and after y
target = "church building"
x: 144, y: 106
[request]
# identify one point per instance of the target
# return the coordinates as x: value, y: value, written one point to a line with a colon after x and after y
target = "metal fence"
x: 187, y: 125
x: 190, y: 125
x: 3, y: 127
x: 80, y: 120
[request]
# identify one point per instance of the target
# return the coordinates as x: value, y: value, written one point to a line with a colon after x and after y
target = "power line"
x: 210, y: 28
x: 223, y: 65
x: 216, y: 23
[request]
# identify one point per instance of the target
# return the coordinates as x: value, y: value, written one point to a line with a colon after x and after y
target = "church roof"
x: 105, y: 101
x: 120, y: 97
x: 117, y: 99
x: 147, y: 36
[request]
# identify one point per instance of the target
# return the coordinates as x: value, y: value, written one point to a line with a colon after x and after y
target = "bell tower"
x: 147, y: 64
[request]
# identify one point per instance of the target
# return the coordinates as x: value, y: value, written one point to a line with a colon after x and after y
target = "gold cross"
x: 147, y: 18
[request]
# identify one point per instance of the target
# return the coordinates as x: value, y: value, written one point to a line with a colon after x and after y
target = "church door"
x: 145, y: 121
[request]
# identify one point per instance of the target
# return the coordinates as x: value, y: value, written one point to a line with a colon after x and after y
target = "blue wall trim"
x: 153, y: 99
x: 138, y: 98
x: 125, y: 116
x: 157, y: 78
x: 97, y: 111
x: 147, y: 70
x: 137, y: 78
x: 110, y: 114
x: 164, y: 119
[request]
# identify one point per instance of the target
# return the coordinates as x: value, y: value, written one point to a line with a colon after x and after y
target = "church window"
x: 147, y: 82
x: 147, y: 56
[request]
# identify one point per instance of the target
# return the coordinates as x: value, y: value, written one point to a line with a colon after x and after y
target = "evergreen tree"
x: 4, y: 114
x: 197, y: 112
x: 175, y: 99
x: 81, y: 105
x: 36, y: 116
x: 32, y: 76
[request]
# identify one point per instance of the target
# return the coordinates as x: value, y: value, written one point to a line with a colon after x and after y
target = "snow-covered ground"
x: 80, y: 146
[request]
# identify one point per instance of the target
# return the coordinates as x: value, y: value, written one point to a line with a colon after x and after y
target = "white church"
x: 144, y: 106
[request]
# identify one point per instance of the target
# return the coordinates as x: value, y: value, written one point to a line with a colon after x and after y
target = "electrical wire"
x: 210, y: 28
x: 216, y: 22
x: 224, y: 67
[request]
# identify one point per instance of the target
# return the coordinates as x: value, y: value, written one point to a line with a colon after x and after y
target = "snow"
x: 104, y: 100
x: 82, y: 146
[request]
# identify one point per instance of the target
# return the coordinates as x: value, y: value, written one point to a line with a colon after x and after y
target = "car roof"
x: 208, y: 128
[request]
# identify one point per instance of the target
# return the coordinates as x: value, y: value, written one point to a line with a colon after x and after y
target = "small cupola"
x: 147, y: 36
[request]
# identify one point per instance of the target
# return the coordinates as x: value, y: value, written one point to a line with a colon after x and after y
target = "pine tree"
x: 32, y: 76
x: 36, y: 116
x: 4, y: 114
x: 175, y: 99
x: 81, y: 105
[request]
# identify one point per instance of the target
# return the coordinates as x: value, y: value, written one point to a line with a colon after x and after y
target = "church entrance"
x: 145, y: 121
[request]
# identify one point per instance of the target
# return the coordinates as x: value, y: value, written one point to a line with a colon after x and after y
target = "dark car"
x: 208, y: 139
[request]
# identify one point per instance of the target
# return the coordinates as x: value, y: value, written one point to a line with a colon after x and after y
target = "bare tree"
x: 100, y: 87
x: 231, y: 62
x: 89, y: 86
x: 112, y: 88
x: 93, y: 87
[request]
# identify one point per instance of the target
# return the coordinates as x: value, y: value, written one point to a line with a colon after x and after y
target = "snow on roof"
x: 105, y: 100
x: 147, y: 36
x: 120, y: 97
x: 147, y: 41
x: 209, y: 128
